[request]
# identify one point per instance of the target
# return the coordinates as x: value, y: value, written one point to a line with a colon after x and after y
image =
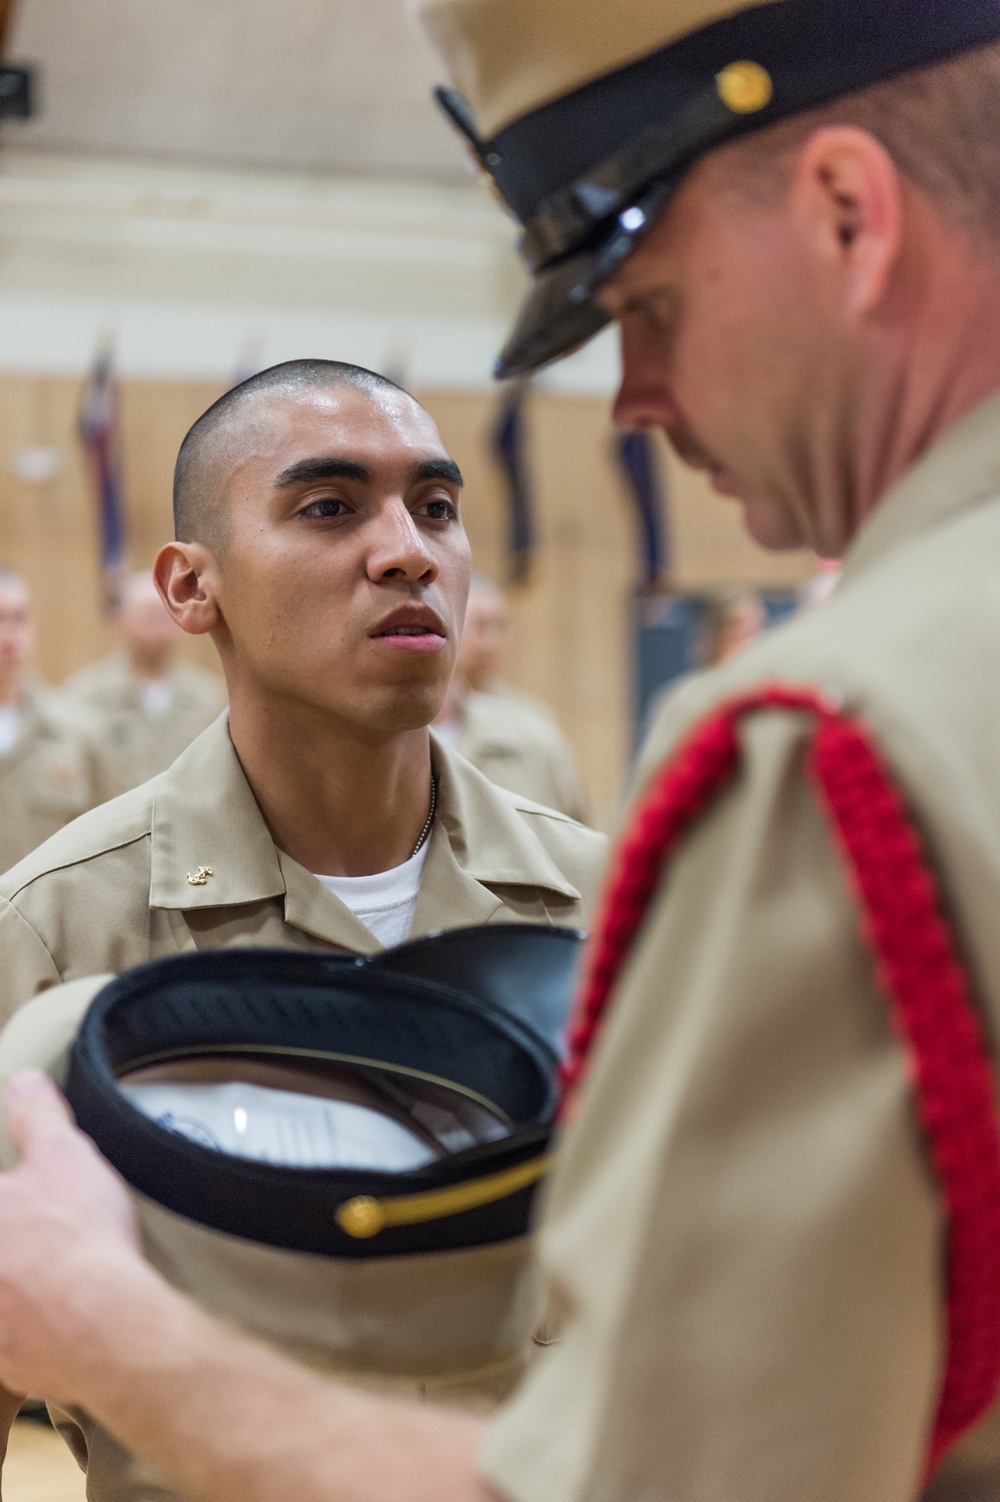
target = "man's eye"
x: 659, y: 310
x: 329, y: 506
x: 440, y: 511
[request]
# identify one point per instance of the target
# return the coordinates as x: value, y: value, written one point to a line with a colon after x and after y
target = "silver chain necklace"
x: 430, y: 818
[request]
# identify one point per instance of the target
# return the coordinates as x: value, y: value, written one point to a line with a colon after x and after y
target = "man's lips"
x: 411, y: 630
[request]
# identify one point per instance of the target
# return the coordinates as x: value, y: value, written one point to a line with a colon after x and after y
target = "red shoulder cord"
x: 917, y: 963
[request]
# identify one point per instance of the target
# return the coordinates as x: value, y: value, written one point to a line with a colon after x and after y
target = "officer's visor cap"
x: 586, y: 115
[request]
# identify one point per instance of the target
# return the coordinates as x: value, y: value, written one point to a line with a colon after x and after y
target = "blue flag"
x: 509, y: 445
x: 100, y: 436
x: 638, y: 462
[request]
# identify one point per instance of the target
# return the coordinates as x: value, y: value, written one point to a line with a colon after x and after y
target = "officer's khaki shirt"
x: 186, y: 862
x: 50, y: 775
x: 743, y: 1229
x: 521, y: 749
x: 134, y: 745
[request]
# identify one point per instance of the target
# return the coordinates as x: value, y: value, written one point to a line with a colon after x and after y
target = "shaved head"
x: 221, y: 436
x: 320, y: 543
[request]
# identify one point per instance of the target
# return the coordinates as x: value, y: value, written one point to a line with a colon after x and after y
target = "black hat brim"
x: 562, y: 310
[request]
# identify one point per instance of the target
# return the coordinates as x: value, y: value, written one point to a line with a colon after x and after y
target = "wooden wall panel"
x: 571, y: 625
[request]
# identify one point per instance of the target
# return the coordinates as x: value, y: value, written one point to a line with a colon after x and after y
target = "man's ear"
x: 848, y: 195
x: 187, y: 575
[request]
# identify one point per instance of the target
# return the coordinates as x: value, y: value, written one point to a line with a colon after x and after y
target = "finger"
x: 35, y: 1112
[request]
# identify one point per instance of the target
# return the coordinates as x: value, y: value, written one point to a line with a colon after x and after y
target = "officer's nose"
x: 644, y: 399
x: 399, y: 549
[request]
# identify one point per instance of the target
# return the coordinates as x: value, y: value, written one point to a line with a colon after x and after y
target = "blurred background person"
x: 509, y: 736
x: 49, y: 767
x: 147, y: 704
x: 738, y: 620
x: 484, y: 641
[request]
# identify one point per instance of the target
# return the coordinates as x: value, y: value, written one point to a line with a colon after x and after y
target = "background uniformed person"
x: 147, y: 703
x: 49, y: 768
x: 792, y: 211
x: 509, y: 735
x: 484, y: 642
x: 320, y: 545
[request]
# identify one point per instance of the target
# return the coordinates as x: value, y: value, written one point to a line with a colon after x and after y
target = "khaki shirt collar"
x: 490, y: 840
x: 205, y: 815
x: 960, y: 470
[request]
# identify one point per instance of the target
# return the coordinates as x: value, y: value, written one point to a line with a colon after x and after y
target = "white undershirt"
x: 10, y: 727
x: 384, y: 903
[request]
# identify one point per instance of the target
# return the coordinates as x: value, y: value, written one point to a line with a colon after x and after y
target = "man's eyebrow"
x: 305, y: 471
x: 438, y: 469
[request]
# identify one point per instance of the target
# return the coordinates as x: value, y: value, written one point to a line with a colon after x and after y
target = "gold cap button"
x: 745, y: 87
x: 361, y: 1217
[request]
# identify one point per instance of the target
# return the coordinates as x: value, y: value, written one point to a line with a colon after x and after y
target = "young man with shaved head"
x: 320, y: 545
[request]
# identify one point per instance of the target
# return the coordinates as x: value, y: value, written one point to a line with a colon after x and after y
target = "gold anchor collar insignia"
x: 200, y: 877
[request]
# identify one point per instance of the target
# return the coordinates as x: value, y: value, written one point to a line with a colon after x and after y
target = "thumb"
x: 35, y: 1112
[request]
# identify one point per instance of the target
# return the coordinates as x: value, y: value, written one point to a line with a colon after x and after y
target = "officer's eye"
x: 439, y: 511
x: 658, y: 308
x: 329, y: 506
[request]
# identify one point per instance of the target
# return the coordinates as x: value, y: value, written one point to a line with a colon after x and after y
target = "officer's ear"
x: 186, y: 575
x: 847, y: 196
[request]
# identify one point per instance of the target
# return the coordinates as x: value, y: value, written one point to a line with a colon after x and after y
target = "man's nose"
x: 400, y: 550
x: 644, y: 399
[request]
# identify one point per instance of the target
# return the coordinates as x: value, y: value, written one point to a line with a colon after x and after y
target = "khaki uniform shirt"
x: 744, y: 1229
x: 51, y: 774
x: 521, y: 749
x: 115, y: 890
x: 135, y: 745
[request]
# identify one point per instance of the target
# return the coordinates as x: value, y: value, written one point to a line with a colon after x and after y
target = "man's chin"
x: 770, y: 527
x: 398, y: 714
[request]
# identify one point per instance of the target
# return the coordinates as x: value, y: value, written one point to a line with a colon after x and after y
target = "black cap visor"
x: 561, y: 312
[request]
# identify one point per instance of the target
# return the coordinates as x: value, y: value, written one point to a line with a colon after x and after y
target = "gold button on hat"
x: 745, y: 87
x: 586, y: 115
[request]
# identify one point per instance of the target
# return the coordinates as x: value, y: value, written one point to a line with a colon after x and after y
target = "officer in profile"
x: 775, y: 1221
x: 50, y: 771
x: 319, y: 543
x: 148, y: 705
x: 510, y: 736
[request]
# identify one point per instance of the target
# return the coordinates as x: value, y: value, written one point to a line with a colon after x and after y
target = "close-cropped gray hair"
x: 940, y: 124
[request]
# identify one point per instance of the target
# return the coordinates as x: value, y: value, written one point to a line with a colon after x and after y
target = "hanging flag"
x: 509, y: 444
x: 638, y: 462
x: 99, y: 434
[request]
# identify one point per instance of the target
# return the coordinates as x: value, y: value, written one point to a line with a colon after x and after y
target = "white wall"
x: 197, y: 271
